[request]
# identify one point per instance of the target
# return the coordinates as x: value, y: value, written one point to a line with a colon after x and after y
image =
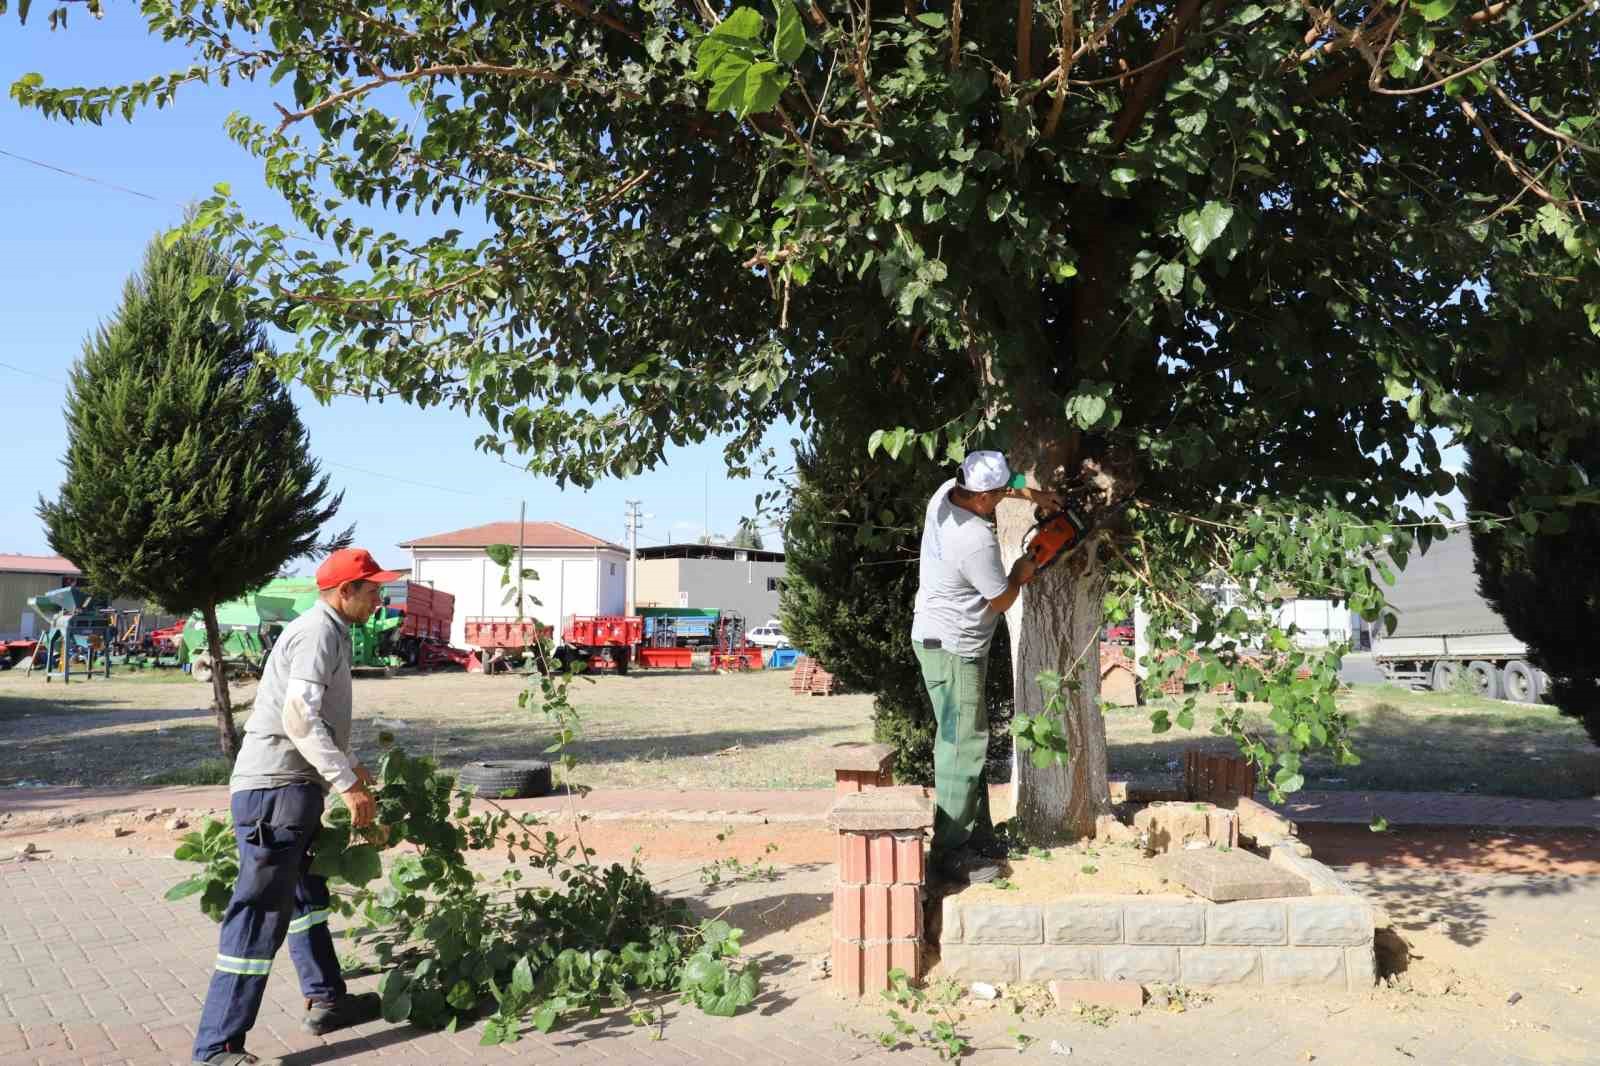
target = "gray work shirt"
x: 960, y: 573
x: 292, y: 737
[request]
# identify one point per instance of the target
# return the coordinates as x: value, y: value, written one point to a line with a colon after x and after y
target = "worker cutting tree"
x: 962, y: 591
x: 296, y: 748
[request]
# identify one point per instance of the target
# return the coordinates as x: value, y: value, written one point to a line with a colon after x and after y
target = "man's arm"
x: 1000, y: 589
x: 310, y: 670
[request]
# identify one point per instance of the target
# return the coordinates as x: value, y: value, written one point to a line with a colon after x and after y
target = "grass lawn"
x: 699, y: 730
x: 1408, y: 741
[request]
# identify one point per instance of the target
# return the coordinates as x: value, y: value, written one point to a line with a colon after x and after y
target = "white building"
x: 578, y: 573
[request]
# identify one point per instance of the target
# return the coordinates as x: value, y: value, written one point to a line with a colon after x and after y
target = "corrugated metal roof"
x: 534, y: 535
x: 38, y: 564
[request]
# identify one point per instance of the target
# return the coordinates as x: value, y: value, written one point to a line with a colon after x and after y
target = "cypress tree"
x: 1543, y: 576
x: 189, y: 480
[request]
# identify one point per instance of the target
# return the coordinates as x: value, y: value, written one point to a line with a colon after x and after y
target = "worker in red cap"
x: 296, y: 749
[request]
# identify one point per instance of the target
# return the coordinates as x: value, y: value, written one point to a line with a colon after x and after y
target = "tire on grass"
x: 1485, y: 679
x: 506, y: 778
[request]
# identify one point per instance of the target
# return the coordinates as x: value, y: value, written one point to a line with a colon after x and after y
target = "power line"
x: 83, y: 177
x: 33, y: 374
x: 404, y: 481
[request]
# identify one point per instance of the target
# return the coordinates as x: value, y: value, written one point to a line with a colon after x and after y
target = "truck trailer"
x: 1445, y: 629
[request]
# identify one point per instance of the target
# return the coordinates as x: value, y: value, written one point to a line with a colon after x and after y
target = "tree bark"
x: 221, y: 700
x: 1055, y: 625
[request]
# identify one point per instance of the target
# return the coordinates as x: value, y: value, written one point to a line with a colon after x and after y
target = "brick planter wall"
x: 877, y: 900
x: 1320, y: 941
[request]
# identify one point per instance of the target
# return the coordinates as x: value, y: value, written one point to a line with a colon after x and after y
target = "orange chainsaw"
x: 1053, y: 536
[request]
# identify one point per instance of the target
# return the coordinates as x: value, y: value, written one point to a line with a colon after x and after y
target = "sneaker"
x: 347, y: 1010
x: 237, y: 1058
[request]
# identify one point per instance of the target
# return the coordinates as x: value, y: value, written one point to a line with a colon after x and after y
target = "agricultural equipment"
x: 691, y: 627
x: 731, y: 649
x: 249, y: 625
x: 605, y: 642
x: 495, y: 641
x: 661, y: 649
x: 78, y: 628
x: 13, y: 652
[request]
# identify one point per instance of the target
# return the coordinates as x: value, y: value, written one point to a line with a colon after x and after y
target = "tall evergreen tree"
x: 748, y: 536
x: 189, y: 479
x: 1546, y: 586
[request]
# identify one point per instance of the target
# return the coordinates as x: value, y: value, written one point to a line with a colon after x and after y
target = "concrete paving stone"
x: 1343, y: 921
x: 1303, y: 967
x: 1141, y: 964
x: 1219, y: 966
x: 1086, y: 921
x: 1230, y: 875
x: 1001, y: 924
x: 1247, y: 922
x: 1165, y: 920
x: 1041, y: 963
x: 980, y: 962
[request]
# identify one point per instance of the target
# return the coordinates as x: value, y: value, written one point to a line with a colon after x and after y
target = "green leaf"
x: 184, y: 889
x: 790, y: 39
x: 1169, y: 278
x: 743, y: 25
x: 1379, y: 824
x: 998, y: 202
x: 361, y: 864
x: 1201, y: 228
x: 1435, y: 10
x: 522, y: 977
x: 500, y: 554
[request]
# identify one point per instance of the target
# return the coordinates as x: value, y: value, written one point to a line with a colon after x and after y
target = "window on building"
x: 775, y: 584
x: 613, y: 569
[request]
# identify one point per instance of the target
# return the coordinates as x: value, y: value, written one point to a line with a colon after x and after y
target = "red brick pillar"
x: 877, y: 901
x: 857, y: 767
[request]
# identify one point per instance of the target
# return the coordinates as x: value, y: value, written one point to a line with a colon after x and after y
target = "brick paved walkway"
x: 95, y: 968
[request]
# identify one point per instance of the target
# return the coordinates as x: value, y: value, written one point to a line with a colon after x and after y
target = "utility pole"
x: 634, y: 520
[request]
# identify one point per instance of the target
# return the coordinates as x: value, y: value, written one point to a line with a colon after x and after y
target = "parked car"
x: 768, y: 636
x: 1121, y: 633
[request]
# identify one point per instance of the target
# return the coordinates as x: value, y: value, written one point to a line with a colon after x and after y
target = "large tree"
x: 189, y: 478
x: 1225, y: 272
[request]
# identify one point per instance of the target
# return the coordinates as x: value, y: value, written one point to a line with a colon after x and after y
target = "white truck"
x: 1445, y: 628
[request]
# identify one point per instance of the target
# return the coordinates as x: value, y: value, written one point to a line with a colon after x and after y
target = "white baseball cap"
x: 988, y: 471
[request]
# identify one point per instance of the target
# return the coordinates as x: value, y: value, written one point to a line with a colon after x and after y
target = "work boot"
x: 326, y: 1016
x: 965, y: 867
x: 237, y: 1058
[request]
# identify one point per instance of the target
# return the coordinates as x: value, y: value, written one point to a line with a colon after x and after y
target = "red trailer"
x: 492, y: 638
x: 606, y: 641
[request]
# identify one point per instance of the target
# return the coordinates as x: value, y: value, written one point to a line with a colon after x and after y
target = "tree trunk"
x: 1055, y: 625
x: 221, y: 700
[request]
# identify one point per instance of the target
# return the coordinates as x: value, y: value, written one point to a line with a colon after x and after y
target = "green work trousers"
x: 960, y: 746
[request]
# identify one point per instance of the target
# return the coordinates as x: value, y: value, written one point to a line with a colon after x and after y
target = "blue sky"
x: 68, y: 245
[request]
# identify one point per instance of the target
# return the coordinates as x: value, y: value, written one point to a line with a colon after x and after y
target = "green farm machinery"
x: 412, y: 620
x: 79, y: 628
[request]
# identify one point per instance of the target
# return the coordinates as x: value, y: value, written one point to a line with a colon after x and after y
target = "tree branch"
x: 588, y: 11
x: 1069, y: 32
x: 1149, y: 83
x: 1024, y: 40
x: 443, y: 69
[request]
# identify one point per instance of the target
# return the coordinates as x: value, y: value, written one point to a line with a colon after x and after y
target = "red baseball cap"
x: 352, y: 564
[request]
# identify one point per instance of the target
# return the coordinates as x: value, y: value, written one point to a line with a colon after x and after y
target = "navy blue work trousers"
x: 276, y: 896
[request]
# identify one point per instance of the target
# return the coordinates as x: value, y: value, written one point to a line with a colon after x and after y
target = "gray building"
x: 746, y: 580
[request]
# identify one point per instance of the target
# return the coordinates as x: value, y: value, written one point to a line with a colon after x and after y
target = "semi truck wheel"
x: 1521, y: 682
x: 1445, y: 674
x: 1485, y: 679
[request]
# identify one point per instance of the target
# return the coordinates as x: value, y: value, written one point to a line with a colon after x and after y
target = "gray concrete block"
x: 1230, y: 875
x: 1143, y: 965
x: 1055, y: 962
x: 1303, y: 967
x: 1164, y: 920
x: 1220, y: 966
x: 1247, y: 922
x: 983, y: 923
x: 1323, y: 881
x: 950, y: 921
x: 1333, y: 921
x: 1088, y: 921
x: 1361, y: 965
x: 979, y: 962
